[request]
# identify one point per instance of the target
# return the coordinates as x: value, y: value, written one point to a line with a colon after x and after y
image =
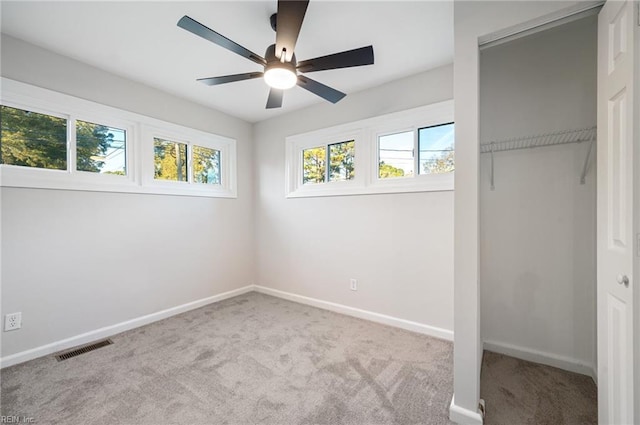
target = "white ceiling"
x: 140, y: 41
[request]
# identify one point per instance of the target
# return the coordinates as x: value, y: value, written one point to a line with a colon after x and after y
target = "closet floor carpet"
x: 524, y: 393
x: 246, y: 360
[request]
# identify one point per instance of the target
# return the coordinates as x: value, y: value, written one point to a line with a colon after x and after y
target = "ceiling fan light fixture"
x: 280, y: 76
x: 281, y: 70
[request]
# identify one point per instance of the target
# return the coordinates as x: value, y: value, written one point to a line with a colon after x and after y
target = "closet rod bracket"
x: 586, y: 162
x: 493, y: 186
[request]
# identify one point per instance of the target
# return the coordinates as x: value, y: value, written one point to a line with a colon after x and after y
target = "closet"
x: 538, y: 196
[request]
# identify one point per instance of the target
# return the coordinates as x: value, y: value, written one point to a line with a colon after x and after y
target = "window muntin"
x: 100, y: 148
x: 342, y: 161
x: 436, y: 145
x: 206, y: 165
x: 314, y: 165
x: 32, y: 139
x: 170, y: 160
x: 395, y: 155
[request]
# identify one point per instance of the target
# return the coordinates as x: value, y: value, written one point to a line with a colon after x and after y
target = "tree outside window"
x: 30, y: 139
x: 341, y: 161
x: 313, y: 165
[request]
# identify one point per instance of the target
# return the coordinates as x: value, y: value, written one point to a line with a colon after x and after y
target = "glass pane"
x: 341, y: 157
x: 32, y: 140
x: 436, y: 149
x: 170, y: 160
x: 100, y: 149
x: 206, y: 165
x: 395, y: 155
x: 313, y: 165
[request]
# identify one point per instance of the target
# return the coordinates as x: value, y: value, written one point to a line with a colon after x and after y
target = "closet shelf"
x: 549, y: 139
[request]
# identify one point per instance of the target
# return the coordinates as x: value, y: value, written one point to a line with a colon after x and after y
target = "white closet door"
x: 617, y: 26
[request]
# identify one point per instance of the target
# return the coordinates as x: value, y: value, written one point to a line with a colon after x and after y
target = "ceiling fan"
x: 281, y: 70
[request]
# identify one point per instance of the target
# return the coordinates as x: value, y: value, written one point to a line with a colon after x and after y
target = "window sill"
x: 20, y: 177
x: 435, y: 183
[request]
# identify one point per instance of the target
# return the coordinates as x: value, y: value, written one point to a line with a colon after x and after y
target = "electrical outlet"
x: 12, y: 321
x: 353, y: 285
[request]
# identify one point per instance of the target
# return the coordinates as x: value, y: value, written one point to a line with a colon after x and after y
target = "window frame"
x: 138, y: 128
x: 296, y: 145
x: 366, y: 164
x: 190, y: 137
x: 42, y: 111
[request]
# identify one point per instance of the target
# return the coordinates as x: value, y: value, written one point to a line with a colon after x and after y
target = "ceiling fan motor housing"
x: 270, y: 56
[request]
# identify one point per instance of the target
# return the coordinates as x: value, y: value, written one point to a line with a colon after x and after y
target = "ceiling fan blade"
x: 198, y: 29
x: 275, y: 98
x: 325, y: 92
x: 213, y: 81
x: 289, y: 21
x: 349, y: 58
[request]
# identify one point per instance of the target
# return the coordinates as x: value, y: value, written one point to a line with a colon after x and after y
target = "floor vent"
x: 83, y: 349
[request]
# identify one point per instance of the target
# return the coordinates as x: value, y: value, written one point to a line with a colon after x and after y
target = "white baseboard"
x: 362, y: 314
x: 549, y: 359
x: 460, y: 415
x: 108, y: 331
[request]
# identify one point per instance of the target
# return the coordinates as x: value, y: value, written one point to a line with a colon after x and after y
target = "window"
x: 51, y: 140
x: 31, y: 139
x: 409, y: 151
x: 185, y: 159
x: 206, y: 165
x: 314, y: 165
x: 340, y: 159
x: 100, y: 149
x: 395, y: 155
x: 169, y: 160
x: 436, y: 149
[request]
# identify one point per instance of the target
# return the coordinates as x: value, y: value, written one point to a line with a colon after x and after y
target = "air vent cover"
x: 83, y: 349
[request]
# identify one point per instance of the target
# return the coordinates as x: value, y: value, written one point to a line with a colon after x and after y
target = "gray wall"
x: 75, y: 261
x: 398, y: 246
x: 538, y: 227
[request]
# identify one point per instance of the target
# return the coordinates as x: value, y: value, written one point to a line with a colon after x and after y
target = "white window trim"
x: 297, y: 144
x: 365, y: 133
x: 190, y: 137
x: 140, y: 133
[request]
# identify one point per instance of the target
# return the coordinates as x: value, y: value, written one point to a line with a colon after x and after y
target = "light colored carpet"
x: 252, y: 359
x: 518, y: 392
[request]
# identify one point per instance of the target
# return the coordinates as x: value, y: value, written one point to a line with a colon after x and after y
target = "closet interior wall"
x: 538, y: 226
